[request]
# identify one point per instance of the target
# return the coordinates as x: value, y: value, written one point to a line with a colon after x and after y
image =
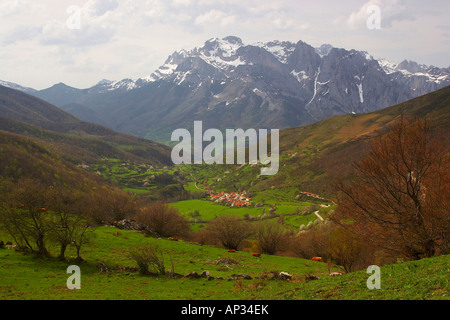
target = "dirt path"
x: 318, y: 216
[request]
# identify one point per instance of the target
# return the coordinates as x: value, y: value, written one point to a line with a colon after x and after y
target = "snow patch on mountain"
x: 361, y: 92
x: 387, y: 66
x: 280, y: 50
x: 300, y: 76
x: 16, y: 86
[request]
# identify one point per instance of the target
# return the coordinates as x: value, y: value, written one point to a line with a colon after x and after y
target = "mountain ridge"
x: 226, y: 83
x: 313, y: 157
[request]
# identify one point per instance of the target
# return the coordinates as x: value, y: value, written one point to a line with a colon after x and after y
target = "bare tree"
x: 25, y: 216
x: 399, y: 199
x: 71, y: 220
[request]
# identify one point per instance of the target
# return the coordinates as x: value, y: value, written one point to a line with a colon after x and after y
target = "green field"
x: 27, y: 277
x: 209, y: 210
x: 131, y: 177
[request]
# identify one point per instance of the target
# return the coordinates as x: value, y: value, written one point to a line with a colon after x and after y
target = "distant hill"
x: 70, y: 137
x: 21, y: 157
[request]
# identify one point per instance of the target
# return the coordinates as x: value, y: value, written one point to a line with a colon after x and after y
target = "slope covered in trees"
x: 45, y: 198
x: 70, y: 137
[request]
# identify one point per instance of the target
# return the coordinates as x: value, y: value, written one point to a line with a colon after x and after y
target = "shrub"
x: 149, y: 257
x: 271, y: 237
x: 312, y: 243
x: 349, y: 251
x: 164, y: 220
x: 228, y: 231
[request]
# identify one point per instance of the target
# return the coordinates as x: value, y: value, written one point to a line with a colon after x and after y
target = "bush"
x: 312, y: 243
x: 164, y: 220
x: 337, y: 246
x: 350, y: 251
x: 227, y: 231
x: 271, y: 237
x: 149, y: 257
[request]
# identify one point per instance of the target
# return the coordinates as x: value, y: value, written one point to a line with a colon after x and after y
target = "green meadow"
x: 27, y: 277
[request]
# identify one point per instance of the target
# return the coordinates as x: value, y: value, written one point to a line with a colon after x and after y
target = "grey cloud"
x: 100, y: 7
x: 88, y: 35
x: 21, y: 33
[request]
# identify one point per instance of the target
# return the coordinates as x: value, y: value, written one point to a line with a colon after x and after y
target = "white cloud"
x: 10, y: 7
x: 212, y: 17
x: 21, y: 33
x: 181, y: 3
x: 57, y: 33
x: 129, y: 38
x: 100, y: 7
x: 154, y: 8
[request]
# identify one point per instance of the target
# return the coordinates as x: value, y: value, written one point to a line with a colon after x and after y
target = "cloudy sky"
x: 80, y: 42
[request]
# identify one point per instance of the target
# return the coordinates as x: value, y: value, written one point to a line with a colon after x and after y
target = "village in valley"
x: 241, y: 199
x: 234, y: 199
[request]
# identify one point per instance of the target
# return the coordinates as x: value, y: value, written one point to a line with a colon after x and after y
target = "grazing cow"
x: 318, y: 259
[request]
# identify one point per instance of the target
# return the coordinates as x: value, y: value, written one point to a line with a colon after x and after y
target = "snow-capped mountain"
x: 227, y: 83
x: 16, y: 87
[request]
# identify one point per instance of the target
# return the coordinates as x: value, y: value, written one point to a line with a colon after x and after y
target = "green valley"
x: 106, y: 202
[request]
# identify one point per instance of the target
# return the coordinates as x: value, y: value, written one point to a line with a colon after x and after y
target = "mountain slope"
x: 227, y: 83
x: 22, y: 158
x: 321, y: 153
x: 22, y: 107
x: 313, y: 157
x: 70, y: 137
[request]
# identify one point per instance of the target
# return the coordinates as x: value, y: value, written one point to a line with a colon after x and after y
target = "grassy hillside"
x: 26, y: 277
x: 315, y: 156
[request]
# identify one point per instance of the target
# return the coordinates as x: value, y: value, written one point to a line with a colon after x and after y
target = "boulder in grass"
x: 284, y: 276
x: 193, y: 275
